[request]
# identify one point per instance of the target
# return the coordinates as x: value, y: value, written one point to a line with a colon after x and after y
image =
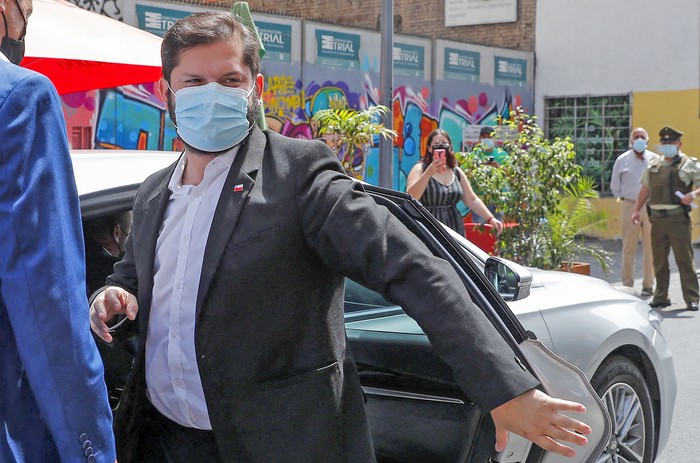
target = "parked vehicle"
x: 416, y: 411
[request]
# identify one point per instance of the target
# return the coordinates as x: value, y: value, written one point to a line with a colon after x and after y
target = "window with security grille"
x: 599, y: 127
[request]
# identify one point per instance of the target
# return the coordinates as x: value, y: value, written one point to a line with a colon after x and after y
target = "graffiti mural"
x: 111, y: 8
x: 432, y: 87
x: 130, y: 117
x: 134, y: 117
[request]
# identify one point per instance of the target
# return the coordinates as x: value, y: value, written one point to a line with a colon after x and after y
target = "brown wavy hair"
x: 450, y: 159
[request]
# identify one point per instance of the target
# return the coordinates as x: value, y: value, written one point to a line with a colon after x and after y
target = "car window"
x: 359, y: 298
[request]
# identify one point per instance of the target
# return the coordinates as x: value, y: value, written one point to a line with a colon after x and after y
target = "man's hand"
x: 110, y: 302
x: 534, y: 416
x: 635, y: 218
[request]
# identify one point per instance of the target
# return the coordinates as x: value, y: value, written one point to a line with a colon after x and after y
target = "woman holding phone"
x: 439, y: 184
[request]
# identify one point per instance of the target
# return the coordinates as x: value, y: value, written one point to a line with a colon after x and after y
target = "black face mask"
x: 441, y: 147
x: 13, y: 49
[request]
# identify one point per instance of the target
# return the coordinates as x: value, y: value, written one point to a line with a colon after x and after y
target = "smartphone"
x: 439, y: 156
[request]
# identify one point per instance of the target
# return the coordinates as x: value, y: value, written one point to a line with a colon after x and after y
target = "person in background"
x: 53, y: 400
x: 624, y: 183
x: 234, y: 275
x: 493, y: 156
x: 439, y: 184
x: 105, y: 238
x: 667, y: 191
x: 487, y: 149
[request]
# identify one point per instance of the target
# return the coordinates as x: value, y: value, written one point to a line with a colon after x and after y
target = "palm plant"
x: 570, y: 220
x: 351, y: 130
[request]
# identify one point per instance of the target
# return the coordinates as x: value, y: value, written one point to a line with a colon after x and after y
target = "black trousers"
x: 165, y: 441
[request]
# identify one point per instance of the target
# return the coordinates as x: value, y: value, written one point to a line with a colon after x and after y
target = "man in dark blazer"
x: 234, y: 271
x: 53, y: 400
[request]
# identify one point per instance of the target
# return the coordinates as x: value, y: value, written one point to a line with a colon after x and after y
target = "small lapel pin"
x: 238, y: 188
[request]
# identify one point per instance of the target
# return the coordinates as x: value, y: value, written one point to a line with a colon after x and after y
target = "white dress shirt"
x: 172, y: 376
x: 626, y: 173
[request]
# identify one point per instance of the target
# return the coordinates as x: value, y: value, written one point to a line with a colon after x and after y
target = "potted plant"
x: 567, y: 224
x: 539, y: 189
x: 349, y: 133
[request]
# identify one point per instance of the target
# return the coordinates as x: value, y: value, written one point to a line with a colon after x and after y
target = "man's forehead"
x: 228, y: 53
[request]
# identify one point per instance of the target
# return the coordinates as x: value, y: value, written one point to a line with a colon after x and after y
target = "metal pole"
x: 386, y: 154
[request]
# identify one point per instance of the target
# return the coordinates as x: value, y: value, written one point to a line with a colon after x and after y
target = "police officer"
x: 667, y: 190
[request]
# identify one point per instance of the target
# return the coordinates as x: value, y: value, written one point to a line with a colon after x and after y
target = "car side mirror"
x: 512, y: 281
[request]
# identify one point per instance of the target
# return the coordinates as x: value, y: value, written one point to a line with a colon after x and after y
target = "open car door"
x: 504, y: 279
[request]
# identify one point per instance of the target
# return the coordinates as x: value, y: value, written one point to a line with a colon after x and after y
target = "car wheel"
x: 626, y: 397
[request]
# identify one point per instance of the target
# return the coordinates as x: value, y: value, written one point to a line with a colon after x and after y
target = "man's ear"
x: 115, y: 233
x: 162, y: 87
x: 259, y: 85
x: 2, y: 5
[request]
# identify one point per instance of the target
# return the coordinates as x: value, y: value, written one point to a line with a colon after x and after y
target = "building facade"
x: 316, y: 61
x: 604, y: 68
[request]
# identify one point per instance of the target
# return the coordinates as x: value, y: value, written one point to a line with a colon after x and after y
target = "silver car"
x: 610, y: 342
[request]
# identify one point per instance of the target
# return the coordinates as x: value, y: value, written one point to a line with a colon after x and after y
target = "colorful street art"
x: 130, y: 117
x: 431, y: 89
x: 134, y: 117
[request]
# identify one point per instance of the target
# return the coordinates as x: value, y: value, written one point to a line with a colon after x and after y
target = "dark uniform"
x: 670, y: 220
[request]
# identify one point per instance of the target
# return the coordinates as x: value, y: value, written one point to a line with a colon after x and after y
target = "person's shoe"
x: 660, y: 304
x: 693, y: 306
x: 646, y: 292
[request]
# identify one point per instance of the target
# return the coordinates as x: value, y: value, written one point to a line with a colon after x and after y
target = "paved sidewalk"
x: 615, y: 274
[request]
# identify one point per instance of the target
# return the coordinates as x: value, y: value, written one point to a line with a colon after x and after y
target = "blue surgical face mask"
x: 488, y: 143
x: 212, y: 117
x: 668, y: 150
x: 639, y: 145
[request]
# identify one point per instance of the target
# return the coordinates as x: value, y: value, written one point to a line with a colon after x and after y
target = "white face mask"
x: 212, y: 117
x: 639, y: 145
x: 488, y: 143
x: 668, y: 151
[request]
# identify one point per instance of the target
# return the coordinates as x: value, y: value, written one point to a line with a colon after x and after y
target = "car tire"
x: 624, y: 392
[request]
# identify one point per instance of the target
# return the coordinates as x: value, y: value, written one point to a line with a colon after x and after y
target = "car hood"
x: 551, y: 289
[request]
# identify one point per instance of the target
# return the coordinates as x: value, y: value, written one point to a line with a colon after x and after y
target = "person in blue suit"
x: 53, y: 400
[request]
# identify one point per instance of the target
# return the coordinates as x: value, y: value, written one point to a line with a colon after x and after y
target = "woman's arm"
x: 476, y: 204
x: 418, y: 179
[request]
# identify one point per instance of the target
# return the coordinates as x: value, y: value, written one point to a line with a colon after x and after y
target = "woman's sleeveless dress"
x: 441, y: 200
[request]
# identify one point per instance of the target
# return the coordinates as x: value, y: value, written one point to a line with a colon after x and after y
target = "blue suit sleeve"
x: 42, y: 272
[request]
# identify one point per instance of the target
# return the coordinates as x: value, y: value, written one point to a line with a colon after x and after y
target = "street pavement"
x: 680, y: 328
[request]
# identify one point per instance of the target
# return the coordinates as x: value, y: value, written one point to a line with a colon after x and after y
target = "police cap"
x: 669, y: 134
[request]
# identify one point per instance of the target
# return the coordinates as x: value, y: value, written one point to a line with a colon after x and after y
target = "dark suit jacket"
x: 270, y: 336
x: 52, y: 394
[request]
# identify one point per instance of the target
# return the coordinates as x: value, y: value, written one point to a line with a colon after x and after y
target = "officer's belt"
x: 665, y: 212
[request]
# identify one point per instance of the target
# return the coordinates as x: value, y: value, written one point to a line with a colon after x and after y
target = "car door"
x: 415, y: 409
